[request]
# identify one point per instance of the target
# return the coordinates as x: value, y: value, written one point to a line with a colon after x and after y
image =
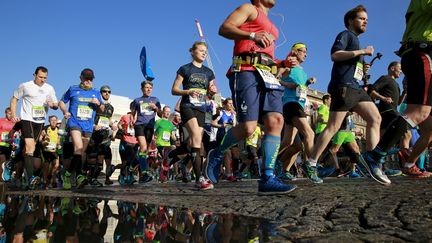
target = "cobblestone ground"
x: 339, y: 210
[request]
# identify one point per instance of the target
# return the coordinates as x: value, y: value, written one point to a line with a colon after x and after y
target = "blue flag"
x: 145, y: 66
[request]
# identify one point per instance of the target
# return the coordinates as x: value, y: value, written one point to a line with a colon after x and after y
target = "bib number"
x: 358, y: 73
x: 4, y: 136
x: 38, y: 113
x: 301, y: 92
x: 166, y: 136
x: 131, y: 131
x: 146, y: 110
x: 200, y: 99
x: 51, y: 147
x: 84, y: 112
x: 104, y: 122
x: 270, y: 81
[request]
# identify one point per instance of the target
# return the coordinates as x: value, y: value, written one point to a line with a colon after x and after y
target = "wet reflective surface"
x: 52, y: 219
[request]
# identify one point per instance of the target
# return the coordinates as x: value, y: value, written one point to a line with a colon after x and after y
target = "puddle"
x: 52, y: 219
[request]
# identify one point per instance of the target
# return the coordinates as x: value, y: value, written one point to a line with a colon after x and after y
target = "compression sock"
x: 270, y: 146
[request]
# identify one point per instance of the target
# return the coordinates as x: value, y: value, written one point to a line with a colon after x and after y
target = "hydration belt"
x: 253, y: 59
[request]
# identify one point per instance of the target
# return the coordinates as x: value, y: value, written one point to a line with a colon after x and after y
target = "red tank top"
x: 260, y: 24
x: 5, y: 127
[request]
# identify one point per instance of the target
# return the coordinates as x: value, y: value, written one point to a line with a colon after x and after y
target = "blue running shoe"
x: 7, y: 171
x: 324, y: 172
x: 286, y: 176
x: 374, y: 169
x: 311, y: 173
x: 146, y: 177
x: 354, y: 175
x: 269, y: 185
x: 214, y: 160
x: 34, y: 182
x: 392, y: 172
x: 122, y: 180
x: 130, y: 179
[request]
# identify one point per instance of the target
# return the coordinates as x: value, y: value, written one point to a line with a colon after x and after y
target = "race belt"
x: 252, y: 59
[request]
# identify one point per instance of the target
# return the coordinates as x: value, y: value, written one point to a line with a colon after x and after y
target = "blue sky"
x: 107, y: 36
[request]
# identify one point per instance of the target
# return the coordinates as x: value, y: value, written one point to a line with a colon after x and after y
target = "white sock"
x: 312, y: 162
x: 408, y: 165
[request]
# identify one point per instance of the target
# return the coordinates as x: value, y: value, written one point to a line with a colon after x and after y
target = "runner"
x: 37, y: 97
x: 164, y: 133
x: 51, y: 142
x: 6, y: 125
x: 256, y: 93
x: 84, y: 101
x: 294, y: 99
x: 347, y: 93
x: 144, y: 110
x: 195, y: 78
x: 128, y: 148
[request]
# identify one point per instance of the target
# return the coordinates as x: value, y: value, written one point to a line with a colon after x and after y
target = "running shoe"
x: 146, y: 177
x: 34, y: 182
x: 67, y: 185
x: 311, y: 173
x: 269, y: 185
x: 81, y: 181
x: 286, y: 176
x: 95, y: 183
x: 7, y: 171
x: 354, y: 175
x: 404, y: 155
x: 324, y: 172
x: 392, y: 172
x: 108, y: 182
x: 231, y: 178
x: 414, y: 171
x: 122, y: 179
x: 212, y: 170
x: 374, y: 169
x: 204, y: 184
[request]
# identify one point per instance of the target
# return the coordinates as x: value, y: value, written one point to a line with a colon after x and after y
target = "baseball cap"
x: 87, y: 74
x: 105, y: 88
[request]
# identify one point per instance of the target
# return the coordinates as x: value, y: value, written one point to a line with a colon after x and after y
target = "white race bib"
x: 270, y: 81
x: 301, y: 92
x: 145, y: 109
x: 84, y: 112
x: 51, y: 146
x: 104, y: 122
x: 4, y: 136
x: 130, y: 131
x: 200, y: 99
x: 38, y: 113
x: 166, y: 136
x: 358, y: 73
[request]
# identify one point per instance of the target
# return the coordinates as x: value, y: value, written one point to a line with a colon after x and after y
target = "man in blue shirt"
x: 346, y: 92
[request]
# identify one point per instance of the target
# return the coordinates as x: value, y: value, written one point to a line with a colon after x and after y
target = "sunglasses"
x: 106, y: 91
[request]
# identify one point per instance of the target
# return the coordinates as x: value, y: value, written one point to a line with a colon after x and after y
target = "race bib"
x: 254, y: 141
x: 358, y: 73
x: 84, y: 112
x: 146, y: 110
x: 51, y: 146
x: 104, y: 122
x: 166, y: 136
x: 200, y: 99
x: 4, y: 136
x: 131, y: 131
x: 301, y: 92
x: 38, y: 113
x: 270, y: 81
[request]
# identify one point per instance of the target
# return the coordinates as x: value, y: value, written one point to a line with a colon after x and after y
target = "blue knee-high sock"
x: 227, y: 142
x: 143, y: 163
x: 421, y: 161
x: 270, y: 145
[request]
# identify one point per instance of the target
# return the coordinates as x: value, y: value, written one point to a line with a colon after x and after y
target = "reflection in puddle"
x: 47, y: 219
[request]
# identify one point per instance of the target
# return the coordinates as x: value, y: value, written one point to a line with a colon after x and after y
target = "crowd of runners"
x: 262, y: 130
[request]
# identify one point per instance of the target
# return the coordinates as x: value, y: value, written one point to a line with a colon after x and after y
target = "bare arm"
x: 340, y: 56
x: 245, y: 13
x: 13, y: 106
x: 176, y: 90
x: 63, y: 108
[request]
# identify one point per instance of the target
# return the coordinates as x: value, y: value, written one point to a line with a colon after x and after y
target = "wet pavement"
x: 355, y: 210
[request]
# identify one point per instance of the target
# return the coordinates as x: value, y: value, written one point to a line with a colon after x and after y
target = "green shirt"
x: 163, y: 131
x: 418, y: 22
x: 324, y: 111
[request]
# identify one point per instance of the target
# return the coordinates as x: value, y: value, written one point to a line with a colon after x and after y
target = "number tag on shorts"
x: 4, y: 136
x: 358, y: 73
x: 104, y: 122
x: 146, y: 110
x: 200, y: 99
x: 270, y: 81
x: 38, y: 113
x: 84, y: 112
x: 131, y: 131
x: 166, y: 136
x: 51, y: 146
x: 301, y: 92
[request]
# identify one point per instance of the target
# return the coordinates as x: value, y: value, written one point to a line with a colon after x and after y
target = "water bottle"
x: 62, y: 128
